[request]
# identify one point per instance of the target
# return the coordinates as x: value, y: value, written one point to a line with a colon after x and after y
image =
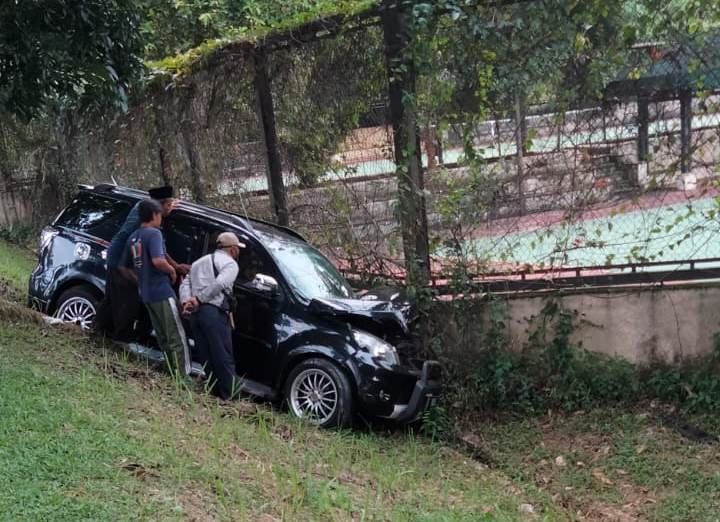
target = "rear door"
x: 94, y: 215
x: 86, y: 227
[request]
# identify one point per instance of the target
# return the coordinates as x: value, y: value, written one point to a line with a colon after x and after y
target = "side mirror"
x: 265, y: 284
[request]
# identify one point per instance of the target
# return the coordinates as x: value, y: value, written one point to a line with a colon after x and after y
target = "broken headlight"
x: 376, y: 347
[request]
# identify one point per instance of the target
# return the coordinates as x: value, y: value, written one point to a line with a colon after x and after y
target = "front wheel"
x: 319, y: 391
x: 77, y: 305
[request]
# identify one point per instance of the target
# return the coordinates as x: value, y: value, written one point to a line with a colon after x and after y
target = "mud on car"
x: 302, y: 333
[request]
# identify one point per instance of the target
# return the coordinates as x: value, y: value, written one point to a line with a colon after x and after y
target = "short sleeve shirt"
x: 143, y: 245
x: 119, y: 240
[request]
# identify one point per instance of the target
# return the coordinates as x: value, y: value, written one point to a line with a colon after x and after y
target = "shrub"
x: 552, y: 372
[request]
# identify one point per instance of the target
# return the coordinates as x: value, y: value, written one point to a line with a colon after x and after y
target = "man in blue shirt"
x: 156, y: 277
x: 121, y: 307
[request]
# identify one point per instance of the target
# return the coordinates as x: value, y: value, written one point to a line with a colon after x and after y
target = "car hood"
x: 388, y: 308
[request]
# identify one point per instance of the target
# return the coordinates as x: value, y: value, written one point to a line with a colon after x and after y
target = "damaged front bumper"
x: 425, y: 394
x: 401, y: 394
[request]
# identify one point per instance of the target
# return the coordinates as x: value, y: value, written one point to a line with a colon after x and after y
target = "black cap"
x: 161, y: 193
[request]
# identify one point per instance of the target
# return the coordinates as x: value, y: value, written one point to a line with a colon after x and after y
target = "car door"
x: 186, y: 238
x: 257, y: 314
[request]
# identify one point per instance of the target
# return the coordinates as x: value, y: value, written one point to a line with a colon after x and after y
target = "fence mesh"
x: 553, y: 137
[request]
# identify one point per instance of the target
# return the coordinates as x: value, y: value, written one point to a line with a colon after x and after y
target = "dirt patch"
x: 609, y: 513
x: 12, y: 312
x: 575, y: 462
x: 198, y: 506
x: 10, y: 293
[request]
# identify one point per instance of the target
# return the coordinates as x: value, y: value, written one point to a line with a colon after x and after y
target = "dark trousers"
x: 120, y: 308
x: 213, y: 344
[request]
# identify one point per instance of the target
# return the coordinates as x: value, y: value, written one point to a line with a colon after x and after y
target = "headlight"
x: 376, y: 346
x: 46, y: 236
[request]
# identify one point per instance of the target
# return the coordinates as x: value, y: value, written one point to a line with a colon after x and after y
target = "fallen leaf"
x: 526, y: 509
x: 136, y: 469
x: 599, y: 475
x: 471, y: 439
x: 640, y: 449
x: 560, y: 461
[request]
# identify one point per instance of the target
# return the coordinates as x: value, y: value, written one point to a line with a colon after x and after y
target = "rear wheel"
x: 77, y: 305
x: 319, y: 391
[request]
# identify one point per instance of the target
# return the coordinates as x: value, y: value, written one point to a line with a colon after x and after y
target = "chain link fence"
x: 544, y: 150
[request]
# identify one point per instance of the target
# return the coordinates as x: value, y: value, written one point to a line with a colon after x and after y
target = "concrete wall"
x: 670, y: 323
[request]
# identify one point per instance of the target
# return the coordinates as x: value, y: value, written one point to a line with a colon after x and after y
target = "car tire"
x: 78, y: 305
x: 319, y: 391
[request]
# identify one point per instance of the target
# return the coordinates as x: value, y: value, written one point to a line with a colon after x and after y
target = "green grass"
x: 87, y: 434
x: 619, y: 464
x: 16, y: 263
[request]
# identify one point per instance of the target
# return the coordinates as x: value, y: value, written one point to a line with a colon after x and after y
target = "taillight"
x: 47, y: 234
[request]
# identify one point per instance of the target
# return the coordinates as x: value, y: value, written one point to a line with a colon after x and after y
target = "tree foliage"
x: 70, y: 52
x: 171, y: 27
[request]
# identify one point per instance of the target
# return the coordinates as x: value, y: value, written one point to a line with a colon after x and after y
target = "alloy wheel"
x: 314, y: 395
x: 77, y: 310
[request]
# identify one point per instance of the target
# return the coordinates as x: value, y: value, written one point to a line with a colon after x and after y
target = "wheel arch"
x: 72, y: 283
x: 305, y: 353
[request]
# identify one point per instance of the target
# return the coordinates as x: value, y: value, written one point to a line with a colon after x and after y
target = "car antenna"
x: 112, y: 178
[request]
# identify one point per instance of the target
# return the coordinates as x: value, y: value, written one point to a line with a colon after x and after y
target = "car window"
x: 251, y: 261
x: 184, y: 238
x: 96, y: 215
x: 309, y: 272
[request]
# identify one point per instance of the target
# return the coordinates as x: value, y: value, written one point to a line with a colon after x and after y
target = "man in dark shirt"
x: 121, y: 307
x: 155, y: 277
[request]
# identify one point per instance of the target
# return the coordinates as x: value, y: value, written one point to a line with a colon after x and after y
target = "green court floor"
x: 684, y: 231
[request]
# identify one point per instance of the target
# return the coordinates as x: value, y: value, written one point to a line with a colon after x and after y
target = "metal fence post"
x: 521, y: 136
x: 643, y: 129
x: 685, y: 130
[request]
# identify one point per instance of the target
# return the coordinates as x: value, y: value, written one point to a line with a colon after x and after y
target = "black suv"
x: 302, y: 334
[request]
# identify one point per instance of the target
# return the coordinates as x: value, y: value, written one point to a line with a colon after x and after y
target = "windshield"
x: 310, y: 273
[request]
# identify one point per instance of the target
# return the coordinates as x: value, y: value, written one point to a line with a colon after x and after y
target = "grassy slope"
x: 15, y: 266
x: 87, y: 434
x: 90, y: 436
x: 618, y: 464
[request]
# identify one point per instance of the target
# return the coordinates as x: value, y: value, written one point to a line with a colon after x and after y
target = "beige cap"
x: 228, y: 239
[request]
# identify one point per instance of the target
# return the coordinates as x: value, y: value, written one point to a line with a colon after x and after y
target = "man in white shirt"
x: 205, y: 295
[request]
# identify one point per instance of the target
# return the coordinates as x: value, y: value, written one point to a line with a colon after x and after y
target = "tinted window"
x: 252, y: 261
x: 96, y: 215
x: 184, y: 238
x: 309, y: 272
